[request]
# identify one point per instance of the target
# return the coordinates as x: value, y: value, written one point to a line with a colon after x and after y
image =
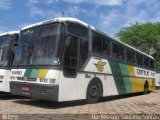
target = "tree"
x: 145, y: 37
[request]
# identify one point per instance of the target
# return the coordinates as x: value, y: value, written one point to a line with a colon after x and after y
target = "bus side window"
x: 139, y: 60
x: 70, y: 63
x: 83, y: 52
x: 71, y: 52
x: 152, y: 64
x: 97, y: 43
x: 121, y: 53
x: 115, y: 51
x: 82, y: 35
x: 130, y: 56
x: 146, y: 62
x: 106, y: 47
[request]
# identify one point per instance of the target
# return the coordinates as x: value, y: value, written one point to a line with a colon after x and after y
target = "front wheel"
x: 94, y: 92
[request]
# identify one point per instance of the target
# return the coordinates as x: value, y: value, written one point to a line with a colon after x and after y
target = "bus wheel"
x: 94, y: 91
x: 145, y: 88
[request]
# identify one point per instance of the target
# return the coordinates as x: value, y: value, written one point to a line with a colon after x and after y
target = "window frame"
x: 131, y: 55
x: 79, y: 38
x: 119, y: 46
x: 102, y: 50
x: 144, y: 64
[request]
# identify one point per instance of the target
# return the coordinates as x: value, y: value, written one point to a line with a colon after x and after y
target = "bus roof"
x: 82, y: 23
x: 57, y: 20
x: 9, y: 33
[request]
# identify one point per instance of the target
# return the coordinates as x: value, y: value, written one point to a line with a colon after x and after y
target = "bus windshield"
x: 4, y: 49
x: 39, y: 46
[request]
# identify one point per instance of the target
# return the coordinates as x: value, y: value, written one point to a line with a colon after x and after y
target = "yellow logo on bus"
x: 100, y: 66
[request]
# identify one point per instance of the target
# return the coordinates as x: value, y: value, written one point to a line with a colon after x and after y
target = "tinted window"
x: 70, y: 62
x: 78, y: 30
x: 97, y: 43
x: 121, y: 53
x: 71, y: 51
x: 115, y: 50
x: 4, y: 49
x: 83, y: 51
x: 130, y: 56
x: 139, y: 60
x: 106, y: 46
x: 40, y: 45
x: 118, y: 52
x: 151, y: 64
x: 82, y: 36
x: 146, y: 62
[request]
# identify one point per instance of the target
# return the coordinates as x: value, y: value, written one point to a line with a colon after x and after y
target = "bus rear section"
x: 6, y: 57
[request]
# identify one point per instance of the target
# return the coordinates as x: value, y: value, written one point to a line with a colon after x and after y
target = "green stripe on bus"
x: 118, y: 78
x: 34, y: 73
x: 27, y: 72
x: 126, y: 79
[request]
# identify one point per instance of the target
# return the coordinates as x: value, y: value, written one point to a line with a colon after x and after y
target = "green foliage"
x: 145, y: 37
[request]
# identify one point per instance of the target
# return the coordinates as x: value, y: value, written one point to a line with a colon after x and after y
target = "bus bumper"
x: 34, y: 90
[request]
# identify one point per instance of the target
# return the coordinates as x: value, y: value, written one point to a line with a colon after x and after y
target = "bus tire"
x: 146, y: 88
x: 94, y: 91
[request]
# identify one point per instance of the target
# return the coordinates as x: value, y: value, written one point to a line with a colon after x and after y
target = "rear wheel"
x: 94, y: 92
x: 146, y: 88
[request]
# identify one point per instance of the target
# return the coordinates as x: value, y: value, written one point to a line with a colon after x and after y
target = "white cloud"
x: 74, y: 11
x: 110, y: 23
x: 32, y: 2
x: 108, y: 2
x: 50, y: 1
x: 75, y: 1
x: 130, y: 12
x: 44, y: 13
x: 98, y: 2
x: 143, y: 11
x: 51, y: 12
x: 5, y: 4
x: 36, y: 11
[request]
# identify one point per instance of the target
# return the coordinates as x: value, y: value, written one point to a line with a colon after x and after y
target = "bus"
x: 65, y: 59
x: 6, y: 58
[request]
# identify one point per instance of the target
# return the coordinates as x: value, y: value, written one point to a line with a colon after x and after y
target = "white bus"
x: 6, y: 58
x: 66, y: 59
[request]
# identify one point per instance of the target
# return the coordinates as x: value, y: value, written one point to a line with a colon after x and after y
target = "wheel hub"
x: 94, y: 91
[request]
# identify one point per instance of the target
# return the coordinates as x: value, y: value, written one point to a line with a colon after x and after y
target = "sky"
x: 108, y: 16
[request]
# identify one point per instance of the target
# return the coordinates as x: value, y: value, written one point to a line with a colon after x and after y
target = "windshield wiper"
x: 28, y: 53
